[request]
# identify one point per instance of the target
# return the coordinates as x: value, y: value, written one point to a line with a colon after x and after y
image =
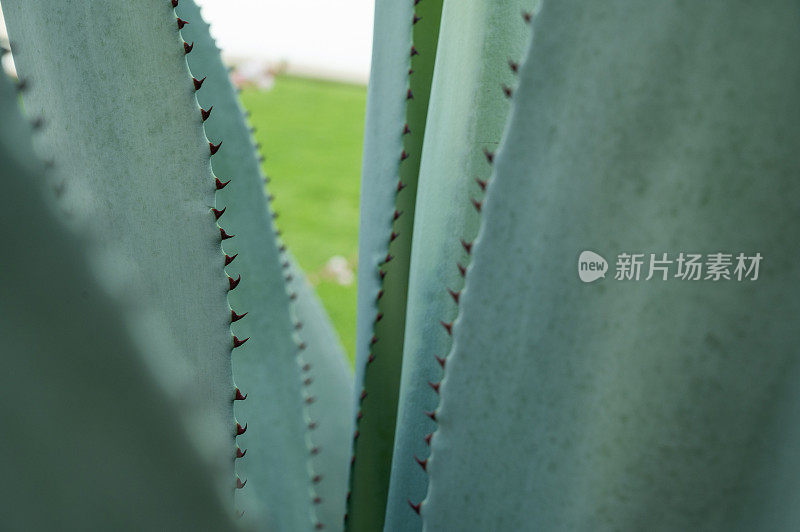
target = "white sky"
x: 331, y: 38
x: 323, y: 36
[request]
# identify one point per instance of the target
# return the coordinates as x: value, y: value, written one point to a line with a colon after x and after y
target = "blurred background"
x: 303, y: 68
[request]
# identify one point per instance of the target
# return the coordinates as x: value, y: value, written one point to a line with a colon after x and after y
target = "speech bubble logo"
x: 591, y: 266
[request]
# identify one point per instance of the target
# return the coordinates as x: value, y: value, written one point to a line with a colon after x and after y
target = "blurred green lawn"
x: 311, y: 133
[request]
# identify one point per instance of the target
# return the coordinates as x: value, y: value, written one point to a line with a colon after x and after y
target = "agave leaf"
x: 406, y: 37
x: 279, y: 493
x: 92, y: 442
x: 123, y: 129
x: 650, y: 405
x: 480, y: 44
x: 329, y: 382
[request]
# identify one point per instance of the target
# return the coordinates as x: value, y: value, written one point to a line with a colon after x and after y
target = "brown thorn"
x: 482, y: 183
x: 435, y: 386
x: 448, y: 327
x: 416, y: 19
x: 400, y: 186
x: 239, y: 483
x: 313, y: 425
x: 239, y: 343
x: 409, y: 95
x: 513, y: 65
x: 240, y: 453
x: 314, y: 451
x: 371, y: 358
x: 316, y: 479
x: 461, y: 269
x: 363, y: 394
x: 422, y: 463
x: 440, y: 360
x: 181, y: 23
x: 187, y: 47
x: 380, y: 294
x: 240, y: 429
x: 233, y: 283
x: 239, y: 396
x: 489, y: 155
x: 214, y: 148
x: 416, y: 507
x: 406, y: 129
x: 229, y: 259
x: 428, y: 438
x: 174, y: 3
x: 198, y: 83
x: 218, y: 213
x: 414, y: 51
x: 527, y: 16
x: 455, y: 294
x: 220, y: 184
x: 403, y: 155
x: 508, y: 91
x: 397, y: 214
x: 379, y: 317
x: 307, y: 381
x: 431, y: 415
x: 306, y: 367
x: 237, y: 317
x: 224, y: 235
x: 382, y: 274
x: 477, y: 204
x: 467, y: 246
x: 205, y: 114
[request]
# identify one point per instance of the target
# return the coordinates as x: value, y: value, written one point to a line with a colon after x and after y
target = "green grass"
x: 311, y: 133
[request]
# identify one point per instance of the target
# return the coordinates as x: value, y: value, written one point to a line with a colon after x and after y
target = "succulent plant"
x: 493, y: 389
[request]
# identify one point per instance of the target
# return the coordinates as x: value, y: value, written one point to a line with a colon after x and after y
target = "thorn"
x: 359, y: 415
x: 431, y: 415
x: 363, y: 394
x: 205, y: 114
x: 214, y: 148
x: 233, y: 283
x: 316, y: 500
x: 397, y: 215
x: 374, y: 340
x: 462, y: 270
x: 414, y: 51
x: 285, y: 265
x: 513, y: 65
x: 220, y: 184
x: 174, y: 3
x: 181, y: 23
x: 239, y: 343
x: 403, y: 156
x: 275, y: 215
x: 218, y: 213
x: 379, y: 317
x: 507, y: 91
x: 482, y: 183
x: 416, y: 507
x: 422, y: 463
x: 527, y: 16
x: 477, y: 204
x: 388, y: 258
x: 229, y: 259
x: 187, y: 47
x: 380, y: 294
x: 428, y: 438
x: 301, y: 346
x: 467, y: 246
x: 240, y: 514
x: 448, y: 327
x: 282, y: 248
x: 409, y: 95
x: 489, y: 155
x: 225, y: 235
x: 22, y: 85
x: 298, y: 326
x: 440, y: 360
x: 456, y: 295
x: 314, y: 451
x: 371, y: 358
x: 416, y: 19
x: 313, y: 425
x: 289, y: 278
x: 435, y: 386
x: 270, y: 197
x: 239, y: 483
x: 382, y: 274
x: 240, y: 453
x: 240, y: 429
x: 410, y: 71
x: 400, y: 186
x: 319, y: 526
x: 316, y: 479
x: 198, y: 83
x: 406, y: 129
x: 237, y: 317
x: 306, y: 367
x: 307, y: 381
x: 292, y: 296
